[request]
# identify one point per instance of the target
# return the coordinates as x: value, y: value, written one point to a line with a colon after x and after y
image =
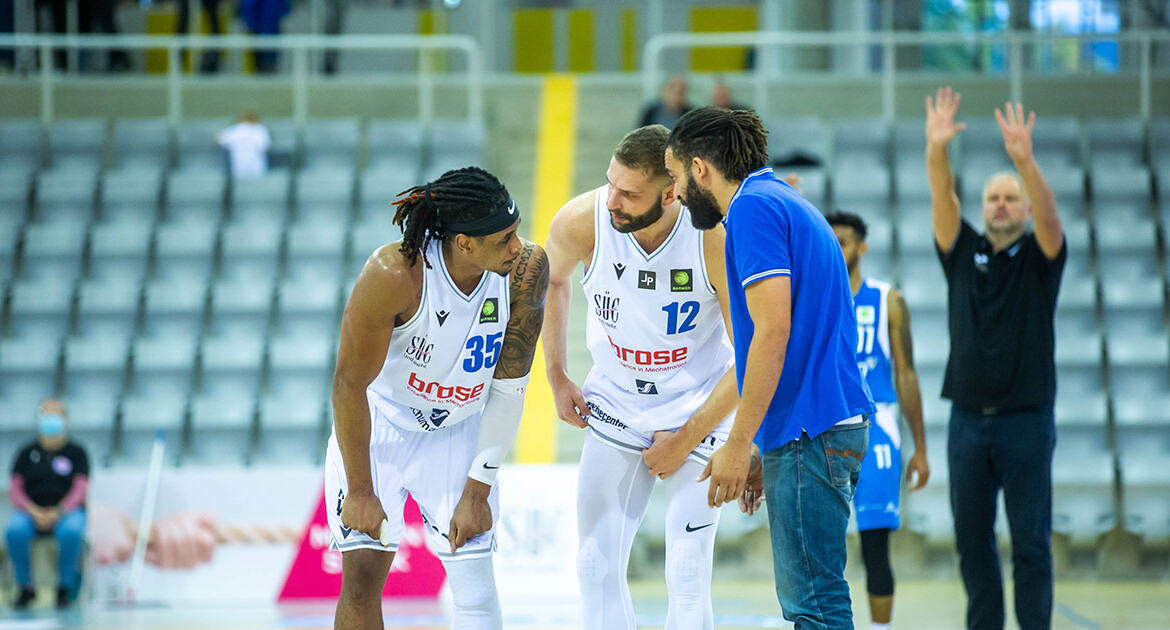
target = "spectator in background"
x: 1001, y: 374
x: 97, y: 16
x: 209, y: 61
x: 247, y: 144
x: 262, y: 17
x: 667, y: 110
x: 49, y: 481
x: 721, y: 96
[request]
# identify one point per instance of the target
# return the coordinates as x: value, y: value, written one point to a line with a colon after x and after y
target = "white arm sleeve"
x: 497, y: 430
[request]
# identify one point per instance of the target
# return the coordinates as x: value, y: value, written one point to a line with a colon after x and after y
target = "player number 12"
x: 689, y: 310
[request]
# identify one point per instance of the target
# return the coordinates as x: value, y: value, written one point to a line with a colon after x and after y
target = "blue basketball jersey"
x: 873, y: 340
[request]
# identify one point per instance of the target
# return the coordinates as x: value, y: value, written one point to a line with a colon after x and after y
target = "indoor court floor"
x: 738, y: 606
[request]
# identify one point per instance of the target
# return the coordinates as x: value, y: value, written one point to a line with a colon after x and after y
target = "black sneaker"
x: 26, y: 597
x: 63, y: 599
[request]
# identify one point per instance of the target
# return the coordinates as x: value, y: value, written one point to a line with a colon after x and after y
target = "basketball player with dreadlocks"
x: 661, y: 395
x: 436, y: 344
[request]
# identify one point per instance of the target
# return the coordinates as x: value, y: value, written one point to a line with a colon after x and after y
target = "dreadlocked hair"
x: 733, y: 141
x: 461, y: 195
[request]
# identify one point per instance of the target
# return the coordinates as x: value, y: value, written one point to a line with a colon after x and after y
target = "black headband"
x: 498, y: 220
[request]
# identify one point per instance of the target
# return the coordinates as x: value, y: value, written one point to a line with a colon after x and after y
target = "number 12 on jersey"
x: 689, y: 310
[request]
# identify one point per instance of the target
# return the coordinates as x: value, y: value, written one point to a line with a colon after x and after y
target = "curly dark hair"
x: 457, y: 196
x: 733, y: 141
x: 849, y: 219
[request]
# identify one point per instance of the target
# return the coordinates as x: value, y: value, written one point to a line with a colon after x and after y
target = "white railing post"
x: 1016, y: 68
x: 300, y: 77
x: 174, y: 85
x: 46, y: 85
x: 889, y: 67
x: 1144, y: 78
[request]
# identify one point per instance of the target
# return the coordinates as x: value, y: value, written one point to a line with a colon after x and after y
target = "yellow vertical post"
x: 555, y: 153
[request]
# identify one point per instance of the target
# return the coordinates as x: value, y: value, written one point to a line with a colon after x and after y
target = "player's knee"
x: 879, y: 575
x: 592, y: 565
x: 363, y: 573
x: 684, y: 565
x: 473, y: 587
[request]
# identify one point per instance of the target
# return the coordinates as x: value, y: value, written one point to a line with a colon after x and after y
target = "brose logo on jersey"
x: 649, y: 358
x: 437, y: 392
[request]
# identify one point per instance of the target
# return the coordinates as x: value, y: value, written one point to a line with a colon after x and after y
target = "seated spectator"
x: 721, y: 97
x: 48, y: 486
x: 667, y: 110
x: 247, y: 144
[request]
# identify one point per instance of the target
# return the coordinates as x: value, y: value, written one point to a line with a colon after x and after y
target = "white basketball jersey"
x: 654, y: 329
x: 440, y: 363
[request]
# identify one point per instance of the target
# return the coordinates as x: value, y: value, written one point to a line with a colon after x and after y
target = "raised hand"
x: 1017, y: 135
x: 940, y: 117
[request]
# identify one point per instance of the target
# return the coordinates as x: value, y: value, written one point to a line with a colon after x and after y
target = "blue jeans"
x: 70, y: 534
x: 809, y: 483
x: 1012, y: 451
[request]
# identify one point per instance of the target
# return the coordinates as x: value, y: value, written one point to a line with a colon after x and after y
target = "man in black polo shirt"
x: 1000, y: 376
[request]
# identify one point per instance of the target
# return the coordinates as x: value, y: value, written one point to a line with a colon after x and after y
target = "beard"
x: 851, y: 262
x: 634, y: 223
x: 705, y: 213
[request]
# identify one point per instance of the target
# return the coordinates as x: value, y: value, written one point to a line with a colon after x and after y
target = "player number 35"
x: 485, y: 351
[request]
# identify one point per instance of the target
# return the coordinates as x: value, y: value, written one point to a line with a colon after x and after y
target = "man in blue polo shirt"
x: 802, y: 396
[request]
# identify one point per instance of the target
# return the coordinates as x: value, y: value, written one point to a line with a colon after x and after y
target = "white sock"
x: 881, y: 626
x: 473, y: 593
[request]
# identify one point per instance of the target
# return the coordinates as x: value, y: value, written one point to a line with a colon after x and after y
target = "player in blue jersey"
x: 886, y: 358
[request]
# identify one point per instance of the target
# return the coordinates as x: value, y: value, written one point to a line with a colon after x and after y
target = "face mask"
x: 51, y: 425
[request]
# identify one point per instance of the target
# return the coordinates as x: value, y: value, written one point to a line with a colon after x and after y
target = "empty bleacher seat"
x: 283, y: 152
x: 21, y: 142
x: 263, y: 198
x: 143, y: 415
x: 77, y: 141
x: 131, y: 194
x: 315, y: 250
x: 231, y: 364
x: 290, y: 428
x: 66, y: 194
x: 141, y: 141
x: 197, y: 147
x: 395, y: 145
x: 324, y: 194
x: 332, y: 142
x: 300, y: 364
x: 163, y: 366
x: 1128, y: 247
x: 118, y: 251
x: 241, y: 308
x: 1115, y: 140
x: 174, y: 307
x: 221, y: 428
x: 107, y: 308
x: 861, y: 138
x: 1082, y: 494
x: 10, y: 232
x: 307, y: 308
x: 379, y: 188
x: 251, y: 250
x: 195, y: 195
x: 53, y: 250
x: 184, y: 250
x: 95, y: 367
x: 1121, y: 190
x: 455, y: 144
x: 28, y: 374
x: 41, y: 308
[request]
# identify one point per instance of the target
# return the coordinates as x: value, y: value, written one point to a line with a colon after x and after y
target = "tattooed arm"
x: 906, y: 383
x: 505, y: 401
x: 529, y: 286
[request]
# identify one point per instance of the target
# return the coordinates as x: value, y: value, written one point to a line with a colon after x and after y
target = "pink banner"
x: 316, y: 572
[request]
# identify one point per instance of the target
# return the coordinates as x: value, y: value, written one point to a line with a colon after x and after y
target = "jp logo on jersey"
x: 647, y: 279
x: 490, y: 312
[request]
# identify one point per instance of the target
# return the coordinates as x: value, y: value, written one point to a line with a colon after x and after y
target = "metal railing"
x: 300, y: 47
x: 889, y: 42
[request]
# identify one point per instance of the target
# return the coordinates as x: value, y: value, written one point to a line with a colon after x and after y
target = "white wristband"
x: 497, y: 429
